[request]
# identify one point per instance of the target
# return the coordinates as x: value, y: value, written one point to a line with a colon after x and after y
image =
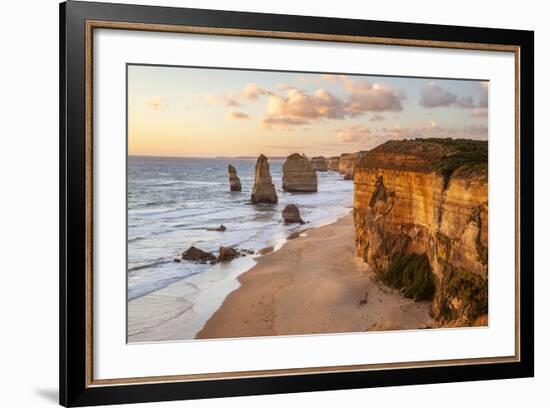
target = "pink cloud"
x: 480, y: 112
x: 227, y: 100
x: 281, y: 122
x: 353, y: 134
x: 237, y: 115
x: 366, y: 96
x: 299, y: 107
x: 253, y: 91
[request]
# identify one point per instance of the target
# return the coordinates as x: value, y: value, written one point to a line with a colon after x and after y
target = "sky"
x: 207, y: 112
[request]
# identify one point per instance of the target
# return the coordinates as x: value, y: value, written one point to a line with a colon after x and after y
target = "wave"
x: 145, y: 265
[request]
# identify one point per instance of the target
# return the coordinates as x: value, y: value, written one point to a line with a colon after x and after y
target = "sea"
x: 174, y: 202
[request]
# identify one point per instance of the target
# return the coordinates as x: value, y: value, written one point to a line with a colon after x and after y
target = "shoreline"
x: 314, y: 284
x: 180, y: 310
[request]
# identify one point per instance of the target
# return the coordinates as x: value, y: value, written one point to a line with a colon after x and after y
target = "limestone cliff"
x: 299, y: 174
x: 421, y: 220
x: 332, y: 163
x: 319, y: 163
x: 347, y: 163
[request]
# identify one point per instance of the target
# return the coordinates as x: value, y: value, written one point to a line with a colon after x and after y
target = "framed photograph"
x: 256, y: 203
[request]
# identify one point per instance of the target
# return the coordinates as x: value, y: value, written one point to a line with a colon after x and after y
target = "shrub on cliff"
x: 412, y: 274
x: 464, y: 295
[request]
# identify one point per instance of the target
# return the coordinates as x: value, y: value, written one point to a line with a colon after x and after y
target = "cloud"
x: 299, y: 108
x: 370, y: 97
x: 480, y: 112
x: 433, y: 96
x: 465, y: 102
x: 281, y: 122
x: 370, y: 137
x: 366, y: 96
x: 377, y: 118
x: 253, y: 91
x: 353, y: 134
x: 227, y: 100
x: 237, y: 115
x: 156, y: 102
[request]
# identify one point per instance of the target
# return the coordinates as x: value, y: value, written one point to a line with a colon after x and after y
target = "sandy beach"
x: 314, y: 284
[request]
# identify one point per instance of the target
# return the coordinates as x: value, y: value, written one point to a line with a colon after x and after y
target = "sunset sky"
x: 198, y: 112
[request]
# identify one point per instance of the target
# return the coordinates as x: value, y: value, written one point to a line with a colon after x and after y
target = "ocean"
x: 172, y: 202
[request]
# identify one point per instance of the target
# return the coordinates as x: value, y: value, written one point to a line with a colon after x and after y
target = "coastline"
x: 179, y: 310
x: 313, y: 284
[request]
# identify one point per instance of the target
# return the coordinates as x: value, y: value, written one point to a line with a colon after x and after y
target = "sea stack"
x: 332, y: 163
x: 319, y: 163
x: 234, y: 180
x: 299, y: 174
x: 291, y: 215
x: 264, y: 190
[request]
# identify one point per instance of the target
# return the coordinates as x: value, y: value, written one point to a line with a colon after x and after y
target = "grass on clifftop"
x: 465, y: 157
x: 412, y: 274
x: 459, y: 157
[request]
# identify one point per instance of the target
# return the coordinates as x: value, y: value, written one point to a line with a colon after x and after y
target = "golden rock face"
x: 347, y: 163
x: 403, y: 206
x: 263, y: 190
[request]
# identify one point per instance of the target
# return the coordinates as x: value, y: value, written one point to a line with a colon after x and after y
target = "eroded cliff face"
x: 347, y: 163
x: 332, y: 163
x: 421, y: 219
x: 319, y: 163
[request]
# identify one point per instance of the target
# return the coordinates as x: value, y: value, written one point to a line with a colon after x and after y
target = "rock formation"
x: 291, y: 215
x: 234, y: 180
x: 319, y: 163
x: 221, y: 228
x: 347, y: 162
x: 421, y: 214
x: 228, y: 254
x: 299, y: 174
x: 332, y: 163
x: 264, y: 190
x: 198, y: 255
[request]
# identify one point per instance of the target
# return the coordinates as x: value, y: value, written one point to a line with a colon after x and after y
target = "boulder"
x: 228, y: 254
x: 198, y: 255
x: 291, y: 215
x: 234, y: 180
x: 263, y: 190
x: 299, y: 174
x: 319, y: 163
x: 221, y: 228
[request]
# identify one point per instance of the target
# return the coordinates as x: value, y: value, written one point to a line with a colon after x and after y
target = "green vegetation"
x: 465, y: 157
x: 482, y: 251
x: 470, y: 289
x: 443, y: 245
x: 413, y: 274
